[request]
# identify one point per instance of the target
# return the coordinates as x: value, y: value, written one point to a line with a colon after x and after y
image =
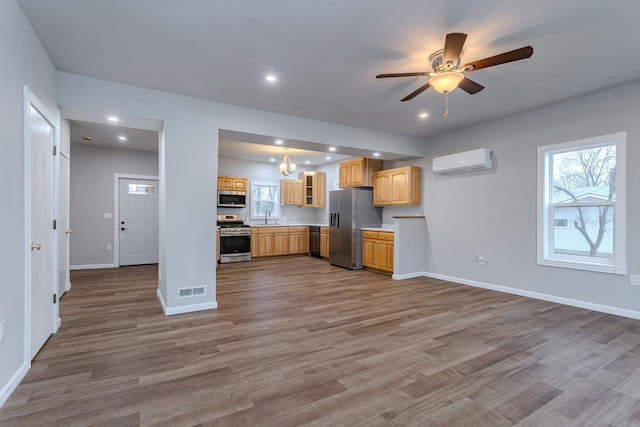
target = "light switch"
x: 108, y: 215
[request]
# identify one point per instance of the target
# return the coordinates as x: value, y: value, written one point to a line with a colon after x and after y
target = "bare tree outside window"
x: 584, y: 192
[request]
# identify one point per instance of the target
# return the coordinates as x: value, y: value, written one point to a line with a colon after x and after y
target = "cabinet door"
x: 369, y: 253
x: 297, y: 192
x: 225, y: 183
x: 266, y: 245
x: 385, y: 255
x: 298, y: 243
x: 240, y: 184
x: 323, y: 246
x: 344, y: 180
x: 280, y: 243
x: 381, y: 189
x: 356, y: 172
x: 399, y: 187
x: 321, y: 190
x: 218, y: 245
x: 255, y: 251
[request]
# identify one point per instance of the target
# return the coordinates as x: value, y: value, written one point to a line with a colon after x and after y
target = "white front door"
x: 63, y: 230
x: 138, y: 221
x: 41, y: 135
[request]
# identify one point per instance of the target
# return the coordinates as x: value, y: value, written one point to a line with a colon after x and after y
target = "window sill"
x: 575, y: 265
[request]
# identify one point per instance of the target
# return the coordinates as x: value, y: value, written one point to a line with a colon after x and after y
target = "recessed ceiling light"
x: 87, y: 138
x: 332, y: 148
x: 271, y: 78
x: 376, y: 154
x: 423, y: 115
x: 307, y: 162
x: 278, y: 142
x: 272, y: 159
x: 122, y: 138
x: 113, y: 119
x: 328, y: 157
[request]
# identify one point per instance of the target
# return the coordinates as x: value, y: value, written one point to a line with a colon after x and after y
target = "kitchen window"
x: 265, y: 197
x: 581, y: 204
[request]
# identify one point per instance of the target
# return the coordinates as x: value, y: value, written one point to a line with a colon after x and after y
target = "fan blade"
x: 453, y: 47
x: 470, y: 86
x: 416, y: 92
x: 503, y: 58
x: 384, y: 76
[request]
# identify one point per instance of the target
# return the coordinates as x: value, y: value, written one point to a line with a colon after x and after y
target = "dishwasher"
x: 314, y: 241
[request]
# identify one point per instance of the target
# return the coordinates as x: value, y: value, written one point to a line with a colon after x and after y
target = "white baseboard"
x: 407, y: 275
x: 8, y: 388
x: 68, y: 288
x: 537, y: 295
x: 170, y: 311
x: 91, y: 266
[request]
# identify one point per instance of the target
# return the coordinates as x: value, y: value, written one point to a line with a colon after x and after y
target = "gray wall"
x: 24, y: 61
x: 91, y: 196
x: 494, y: 213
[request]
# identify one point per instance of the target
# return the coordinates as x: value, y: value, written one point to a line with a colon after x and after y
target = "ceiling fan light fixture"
x: 446, y: 82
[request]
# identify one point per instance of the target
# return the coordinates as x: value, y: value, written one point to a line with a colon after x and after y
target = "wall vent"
x: 196, y: 291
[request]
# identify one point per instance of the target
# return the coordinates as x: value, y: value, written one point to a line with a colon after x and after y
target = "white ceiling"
x: 108, y: 136
x: 326, y: 53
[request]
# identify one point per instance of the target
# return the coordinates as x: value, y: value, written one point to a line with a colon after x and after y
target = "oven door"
x: 235, y: 248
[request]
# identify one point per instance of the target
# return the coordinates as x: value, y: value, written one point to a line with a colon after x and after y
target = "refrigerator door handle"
x: 338, y: 220
x: 330, y: 220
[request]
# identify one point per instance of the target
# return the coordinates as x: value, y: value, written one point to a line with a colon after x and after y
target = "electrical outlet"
x: 480, y: 260
x: 634, y: 279
x: 109, y: 247
x: 1, y: 331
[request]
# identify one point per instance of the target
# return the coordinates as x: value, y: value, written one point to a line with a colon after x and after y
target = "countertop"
x: 289, y: 225
x: 387, y: 229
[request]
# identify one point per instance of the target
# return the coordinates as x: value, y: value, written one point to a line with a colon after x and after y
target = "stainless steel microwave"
x: 232, y: 199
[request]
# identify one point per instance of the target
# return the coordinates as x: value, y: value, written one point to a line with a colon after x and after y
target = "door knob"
x: 67, y: 231
x: 35, y: 246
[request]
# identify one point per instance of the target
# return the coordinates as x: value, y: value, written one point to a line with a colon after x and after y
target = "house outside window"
x: 581, y: 204
x: 265, y: 200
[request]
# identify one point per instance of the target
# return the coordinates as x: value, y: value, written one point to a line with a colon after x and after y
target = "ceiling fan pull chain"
x: 446, y: 104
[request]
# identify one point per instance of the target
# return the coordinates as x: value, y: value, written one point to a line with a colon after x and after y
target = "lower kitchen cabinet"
x: 324, y: 242
x: 377, y: 250
x: 278, y: 241
x: 217, y: 245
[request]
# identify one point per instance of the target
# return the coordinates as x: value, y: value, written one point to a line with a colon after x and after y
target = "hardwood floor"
x: 298, y: 342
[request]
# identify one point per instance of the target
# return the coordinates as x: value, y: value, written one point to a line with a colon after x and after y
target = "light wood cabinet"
x: 314, y: 189
x: 324, y: 242
x: 377, y: 250
x: 358, y: 172
x: 232, y: 183
x: 278, y: 241
x: 217, y: 245
x: 398, y: 187
x: 291, y: 192
x: 298, y: 240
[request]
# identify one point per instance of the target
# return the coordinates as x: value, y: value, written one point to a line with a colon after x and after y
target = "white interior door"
x: 138, y: 221
x: 63, y: 230
x: 41, y: 135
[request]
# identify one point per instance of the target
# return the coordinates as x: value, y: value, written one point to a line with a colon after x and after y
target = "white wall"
x: 24, y: 61
x: 494, y: 213
x: 91, y: 196
x: 191, y: 147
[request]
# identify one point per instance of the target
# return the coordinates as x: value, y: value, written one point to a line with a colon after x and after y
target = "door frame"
x: 29, y: 100
x: 116, y: 210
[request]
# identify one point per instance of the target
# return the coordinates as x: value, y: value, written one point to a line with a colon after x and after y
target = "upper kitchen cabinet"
x: 231, y: 183
x: 314, y: 189
x: 398, y: 187
x: 358, y: 172
x: 291, y: 192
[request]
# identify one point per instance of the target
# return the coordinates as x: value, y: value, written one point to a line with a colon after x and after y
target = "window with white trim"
x: 265, y: 200
x: 581, y: 204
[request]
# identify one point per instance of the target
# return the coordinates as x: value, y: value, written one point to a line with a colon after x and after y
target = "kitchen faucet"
x: 266, y: 215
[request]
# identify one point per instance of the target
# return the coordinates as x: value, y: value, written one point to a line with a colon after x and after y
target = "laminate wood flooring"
x: 296, y: 341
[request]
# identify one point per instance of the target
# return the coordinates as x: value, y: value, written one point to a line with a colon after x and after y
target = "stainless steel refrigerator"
x: 349, y: 211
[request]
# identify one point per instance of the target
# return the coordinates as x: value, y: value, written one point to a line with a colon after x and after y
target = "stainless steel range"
x: 235, y: 239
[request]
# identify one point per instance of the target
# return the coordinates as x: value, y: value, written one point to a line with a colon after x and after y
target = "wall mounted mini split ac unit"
x: 466, y: 161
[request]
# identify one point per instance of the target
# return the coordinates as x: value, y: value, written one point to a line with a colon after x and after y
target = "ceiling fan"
x: 447, y: 74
